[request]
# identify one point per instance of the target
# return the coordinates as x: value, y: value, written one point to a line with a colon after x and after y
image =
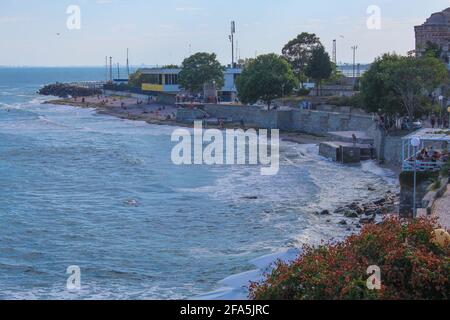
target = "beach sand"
x: 160, y: 114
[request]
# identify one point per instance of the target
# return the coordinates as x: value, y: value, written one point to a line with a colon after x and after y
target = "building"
x: 435, y: 30
x: 165, y: 80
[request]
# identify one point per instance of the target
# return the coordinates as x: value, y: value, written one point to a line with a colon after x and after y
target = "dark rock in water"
x: 379, y: 202
x: 343, y: 223
x: 371, y: 189
x: 325, y: 213
x: 351, y: 214
x: 353, y: 206
x: 373, y: 212
x: 340, y: 210
x: 367, y: 220
x: 250, y: 198
x: 63, y: 90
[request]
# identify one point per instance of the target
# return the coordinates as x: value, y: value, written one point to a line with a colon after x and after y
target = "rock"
x: 371, y: 189
x: 367, y: 220
x: 325, y: 213
x: 379, y: 202
x: 354, y: 206
x: 340, y: 210
x: 250, y: 198
x: 351, y: 214
x: 343, y: 223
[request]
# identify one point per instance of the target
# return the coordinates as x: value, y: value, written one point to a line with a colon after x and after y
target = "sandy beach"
x: 159, y: 114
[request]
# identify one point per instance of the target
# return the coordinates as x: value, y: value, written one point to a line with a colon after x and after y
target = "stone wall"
x: 307, y: 121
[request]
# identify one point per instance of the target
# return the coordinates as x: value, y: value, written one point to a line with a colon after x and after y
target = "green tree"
x: 199, y: 69
x: 266, y: 78
x: 298, y: 53
x: 320, y: 67
x: 398, y: 84
x: 433, y: 50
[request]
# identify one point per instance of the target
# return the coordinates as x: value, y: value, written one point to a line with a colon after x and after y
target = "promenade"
x: 442, y: 209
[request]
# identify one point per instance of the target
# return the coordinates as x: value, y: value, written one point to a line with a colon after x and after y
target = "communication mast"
x: 335, y: 51
x: 233, y: 31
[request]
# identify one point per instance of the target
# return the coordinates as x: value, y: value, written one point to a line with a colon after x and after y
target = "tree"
x: 199, y: 69
x: 433, y: 50
x: 266, y: 78
x: 298, y: 53
x: 397, y: 84
x: 320, y: 67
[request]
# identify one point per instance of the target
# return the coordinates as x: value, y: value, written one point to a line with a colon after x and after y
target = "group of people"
x: 438, y: 122
x: 430, y: 155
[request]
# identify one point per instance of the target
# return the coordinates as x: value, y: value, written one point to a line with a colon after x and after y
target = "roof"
x: 428, y: 134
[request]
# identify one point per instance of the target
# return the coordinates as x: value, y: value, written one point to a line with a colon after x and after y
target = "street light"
x: 441, y: 100
x: 448, y: 109
x: 415, y: 143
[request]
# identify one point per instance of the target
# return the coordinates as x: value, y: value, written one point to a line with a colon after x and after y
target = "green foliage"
x: 266, y: 78
x: 445, y: 171
x: 320, y: 67
x: 137, y: 79
x: 397, y: 84
x: 353, y: 101
x: 298, y: 53
x: 200, y: 69
x: 412, y: 267
x: 433, y: 50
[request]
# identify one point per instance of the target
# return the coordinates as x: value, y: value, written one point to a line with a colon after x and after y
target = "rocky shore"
x: 63, y: 90
x: 359, y: 213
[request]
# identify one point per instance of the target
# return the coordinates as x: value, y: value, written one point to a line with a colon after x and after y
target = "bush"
x: 445, y: 171
x: 412, y: 267
x: 354, y: 101
x: 303, y: 92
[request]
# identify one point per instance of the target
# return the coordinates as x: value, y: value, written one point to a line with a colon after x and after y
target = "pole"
x: 118, y: 71
x: 110, y: 70
x: 415, y: 184
x: 233, y: 30
x: 128, y: 63
x: 106, y: 68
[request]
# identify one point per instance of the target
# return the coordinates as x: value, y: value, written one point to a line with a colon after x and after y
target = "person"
x: 355, y: 139
x: 433, y: 121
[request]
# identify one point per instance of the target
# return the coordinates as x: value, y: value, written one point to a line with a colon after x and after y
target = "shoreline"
x: 136, y: 113
x: 235, y: 287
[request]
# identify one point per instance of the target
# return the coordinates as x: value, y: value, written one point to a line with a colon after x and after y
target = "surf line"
x: 232, y: 147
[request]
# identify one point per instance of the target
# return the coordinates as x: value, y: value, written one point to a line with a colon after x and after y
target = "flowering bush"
x: 412, y: 267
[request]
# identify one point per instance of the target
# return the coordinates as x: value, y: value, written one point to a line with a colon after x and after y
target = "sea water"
x: 101, y: 193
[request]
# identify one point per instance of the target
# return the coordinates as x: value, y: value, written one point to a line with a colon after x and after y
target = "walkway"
x: 442, y: 209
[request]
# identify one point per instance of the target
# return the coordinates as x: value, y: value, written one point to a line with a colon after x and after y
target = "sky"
x: 35, y: 32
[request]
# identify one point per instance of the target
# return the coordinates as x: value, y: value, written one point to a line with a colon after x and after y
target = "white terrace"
x: 434, y: 141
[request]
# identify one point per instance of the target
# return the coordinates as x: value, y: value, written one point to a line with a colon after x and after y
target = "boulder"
x: 367, y: 220
x: 351, y: 214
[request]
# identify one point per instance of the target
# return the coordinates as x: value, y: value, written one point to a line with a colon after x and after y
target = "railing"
x: 432, y: 166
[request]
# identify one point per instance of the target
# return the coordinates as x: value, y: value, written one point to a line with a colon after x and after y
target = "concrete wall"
x: 307, y: 121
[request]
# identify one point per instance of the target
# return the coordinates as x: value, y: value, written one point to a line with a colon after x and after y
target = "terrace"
x: 431, y: 154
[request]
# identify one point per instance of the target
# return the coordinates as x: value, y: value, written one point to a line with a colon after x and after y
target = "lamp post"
x: 441, y: 105
x: 448, y: 109
x: 415, y: 143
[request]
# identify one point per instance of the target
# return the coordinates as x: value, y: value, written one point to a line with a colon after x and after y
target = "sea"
x: 102, y: 194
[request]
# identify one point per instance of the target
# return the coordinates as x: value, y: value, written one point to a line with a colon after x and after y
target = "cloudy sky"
x: 161, y: 32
